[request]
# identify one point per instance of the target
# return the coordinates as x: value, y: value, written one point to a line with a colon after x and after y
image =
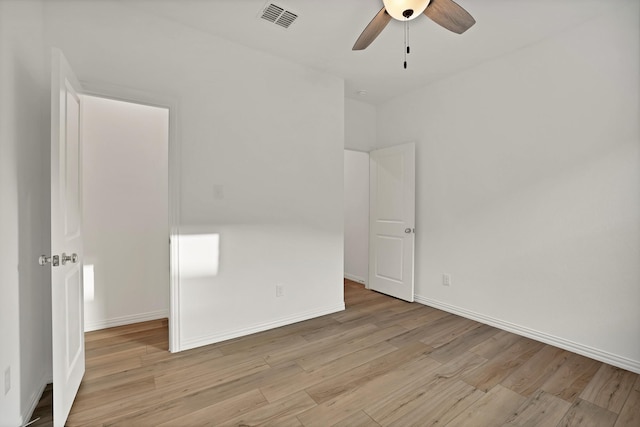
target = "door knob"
x: 66, y: 258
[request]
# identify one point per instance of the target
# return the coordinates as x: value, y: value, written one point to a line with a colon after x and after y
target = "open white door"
x: 391, y: 222
x: 66, y: 238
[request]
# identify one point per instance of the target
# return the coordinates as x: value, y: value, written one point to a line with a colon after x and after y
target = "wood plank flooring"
x: 381, y: 362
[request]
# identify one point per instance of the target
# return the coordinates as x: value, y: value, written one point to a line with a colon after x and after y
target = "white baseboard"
x: 355, y: 278
x: 584, y: 350
x: 34, y: 399
x: 211, y: 339
x: 125, y: 320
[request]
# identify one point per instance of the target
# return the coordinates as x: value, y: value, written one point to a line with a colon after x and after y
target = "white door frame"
x: 140, y: 97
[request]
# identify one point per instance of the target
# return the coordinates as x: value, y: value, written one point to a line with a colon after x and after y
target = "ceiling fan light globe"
x: 396, y: 8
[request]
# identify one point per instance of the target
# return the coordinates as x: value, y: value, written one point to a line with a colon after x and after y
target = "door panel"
x: 66, y: 239
x: 390, y: 176
x: 389, y: 256
x: 73, y: 301
x: 392, y: 214
x: 71, y: 165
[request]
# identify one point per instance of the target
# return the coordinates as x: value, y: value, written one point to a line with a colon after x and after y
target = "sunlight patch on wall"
x: 89, y: 283
x: 199, y: 255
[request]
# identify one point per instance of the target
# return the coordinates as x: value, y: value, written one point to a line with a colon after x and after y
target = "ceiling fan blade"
x: 449, y: 15
x: 372, y: 31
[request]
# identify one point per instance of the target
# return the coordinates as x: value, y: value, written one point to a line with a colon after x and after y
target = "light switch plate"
x: 218, y: 192
x: 446, y: 280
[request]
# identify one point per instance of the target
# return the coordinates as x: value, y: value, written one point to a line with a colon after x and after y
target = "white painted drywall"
x: 528, y: 186
x: 125, y: 208
x: 360, y: 125
x: 261, y: 140
x: 25, y: 292
x: 356, y: 215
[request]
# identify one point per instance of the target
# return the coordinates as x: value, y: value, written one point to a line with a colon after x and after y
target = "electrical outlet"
x: 446, y: 280
x: 7, y: 380
x: 279, y: 290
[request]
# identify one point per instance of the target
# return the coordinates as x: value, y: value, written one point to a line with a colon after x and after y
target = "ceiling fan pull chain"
x: 406, y: 46
x: 408, y: 52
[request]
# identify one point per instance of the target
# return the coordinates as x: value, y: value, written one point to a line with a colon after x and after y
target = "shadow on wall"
x: 32, y: 136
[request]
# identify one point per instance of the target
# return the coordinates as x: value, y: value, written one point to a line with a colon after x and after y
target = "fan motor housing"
x: 407, y: 13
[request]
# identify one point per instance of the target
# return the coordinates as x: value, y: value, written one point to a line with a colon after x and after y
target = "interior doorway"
x: 356, y: 216
x: 126, y: 212
x: 379, y: 225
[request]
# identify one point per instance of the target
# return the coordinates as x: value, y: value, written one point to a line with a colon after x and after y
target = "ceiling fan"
x: 445, y: 13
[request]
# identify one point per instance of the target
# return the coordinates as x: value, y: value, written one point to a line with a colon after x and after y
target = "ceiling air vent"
x: 278, y: 15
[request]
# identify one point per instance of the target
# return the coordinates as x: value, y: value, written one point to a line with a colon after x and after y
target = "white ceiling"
x: 325, y: 31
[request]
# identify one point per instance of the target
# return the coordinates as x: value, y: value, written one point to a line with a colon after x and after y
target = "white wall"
x: 258, y: 162
x: 25, y: 295
x: 356, y: 216
x: 528, y: 187
x: 360, y: 125
x: 125, y: 208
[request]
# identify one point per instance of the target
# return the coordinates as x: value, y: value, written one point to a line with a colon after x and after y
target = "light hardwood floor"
x: 380, y: 362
